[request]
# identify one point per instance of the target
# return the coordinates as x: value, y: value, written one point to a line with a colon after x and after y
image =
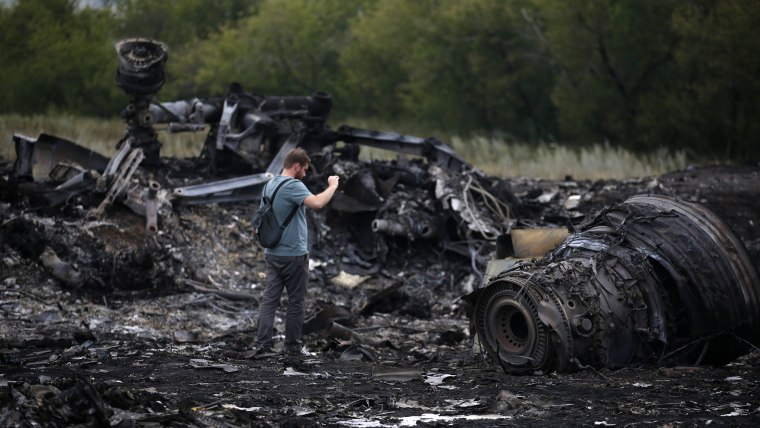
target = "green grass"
x: 494, y: 156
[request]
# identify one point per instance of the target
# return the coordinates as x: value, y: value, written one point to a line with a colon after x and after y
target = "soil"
x: 158, y: 332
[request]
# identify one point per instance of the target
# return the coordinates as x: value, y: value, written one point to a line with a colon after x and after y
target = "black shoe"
x: 263, y: 352
x: 299, y: 352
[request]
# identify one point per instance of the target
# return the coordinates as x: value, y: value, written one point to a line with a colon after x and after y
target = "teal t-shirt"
x: 294, y: 240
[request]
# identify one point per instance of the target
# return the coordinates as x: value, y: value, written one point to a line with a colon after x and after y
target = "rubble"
x: 190, y: 296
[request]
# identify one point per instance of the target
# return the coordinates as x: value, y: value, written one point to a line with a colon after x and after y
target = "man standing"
x: 288, y: 262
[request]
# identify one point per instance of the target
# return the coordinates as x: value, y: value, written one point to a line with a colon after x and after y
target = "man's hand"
x: 316, y: 202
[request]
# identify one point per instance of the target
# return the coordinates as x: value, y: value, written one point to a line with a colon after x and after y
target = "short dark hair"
x: 297, y: 155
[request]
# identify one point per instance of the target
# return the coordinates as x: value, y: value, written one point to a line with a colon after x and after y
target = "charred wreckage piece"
x: 653, y: 280
x: 254, y: 133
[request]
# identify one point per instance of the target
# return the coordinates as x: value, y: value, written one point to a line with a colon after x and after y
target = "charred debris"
x: 653, y: 280
x: 435, y: 196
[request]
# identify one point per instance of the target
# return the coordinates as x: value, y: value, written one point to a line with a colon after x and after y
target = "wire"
x: 494, y: 205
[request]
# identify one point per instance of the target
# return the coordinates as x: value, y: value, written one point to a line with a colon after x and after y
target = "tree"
x: 55, y: 56
x: 610, y: 56
x: 456, y: 65
x: 375, y: 60
x: 478, y: 71
x: 715, y: 109
x: 286, y: 48
x: 179, y: 22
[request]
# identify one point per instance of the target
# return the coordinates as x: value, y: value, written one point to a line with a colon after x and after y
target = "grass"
x: 100, y: 135
x: 494, y: 156
x: 555, y: 161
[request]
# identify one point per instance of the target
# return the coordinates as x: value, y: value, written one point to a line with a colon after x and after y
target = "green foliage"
x: 497, y: 82
x: 286, y: 48
x: 456, y: 65
x: 610, y: 56
x: 179, y: 22
x: 716, y: 105
x: 374, y: 62
x: 55, y: 57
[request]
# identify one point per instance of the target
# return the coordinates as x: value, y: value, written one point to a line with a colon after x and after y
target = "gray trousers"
x: 291, y: 274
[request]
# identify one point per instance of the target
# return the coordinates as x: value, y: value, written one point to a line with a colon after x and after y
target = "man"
x: 288, y: 262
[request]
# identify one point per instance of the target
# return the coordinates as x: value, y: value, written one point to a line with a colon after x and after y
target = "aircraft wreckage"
x: 648, y: 281
x: 402, y: 198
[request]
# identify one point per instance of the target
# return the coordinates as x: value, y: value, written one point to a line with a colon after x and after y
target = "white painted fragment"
x: 411, y: 421
x: 642, y: 385
x: 290, y: 372
x: 245, y: 409
x: 464, y: 403
x: 437, y: 379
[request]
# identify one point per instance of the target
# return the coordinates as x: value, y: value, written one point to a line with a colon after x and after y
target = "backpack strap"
x: 290, y: 217
x: 276, y: 189
x: 295, y: 208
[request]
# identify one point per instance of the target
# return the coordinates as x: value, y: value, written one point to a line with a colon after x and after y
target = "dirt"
x: 158, y: 332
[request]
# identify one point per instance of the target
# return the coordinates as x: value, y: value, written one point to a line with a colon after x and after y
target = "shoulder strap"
x: 290, y: 216
x: 276, y: 189
x: 292, y: 212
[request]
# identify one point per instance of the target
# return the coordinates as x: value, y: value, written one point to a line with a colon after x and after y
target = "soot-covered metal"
x: 436, y: 196
x: 649, y: 281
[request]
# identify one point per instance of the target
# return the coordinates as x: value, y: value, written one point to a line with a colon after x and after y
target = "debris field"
x: 156, y: 329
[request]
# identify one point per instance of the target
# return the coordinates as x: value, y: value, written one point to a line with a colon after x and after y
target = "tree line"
x: 642, y: 74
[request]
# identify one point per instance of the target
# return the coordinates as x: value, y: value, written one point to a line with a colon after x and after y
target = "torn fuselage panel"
x: 35, y: 159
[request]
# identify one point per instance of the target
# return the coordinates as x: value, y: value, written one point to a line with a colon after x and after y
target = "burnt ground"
x: 157, y: 331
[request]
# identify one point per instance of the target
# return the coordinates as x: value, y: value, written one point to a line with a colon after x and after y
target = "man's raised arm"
x: 316, y: 202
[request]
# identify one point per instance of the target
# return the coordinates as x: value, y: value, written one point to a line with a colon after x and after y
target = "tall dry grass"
x: 100, y: 135
x: 495, y: 156
x: 555, y: 161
